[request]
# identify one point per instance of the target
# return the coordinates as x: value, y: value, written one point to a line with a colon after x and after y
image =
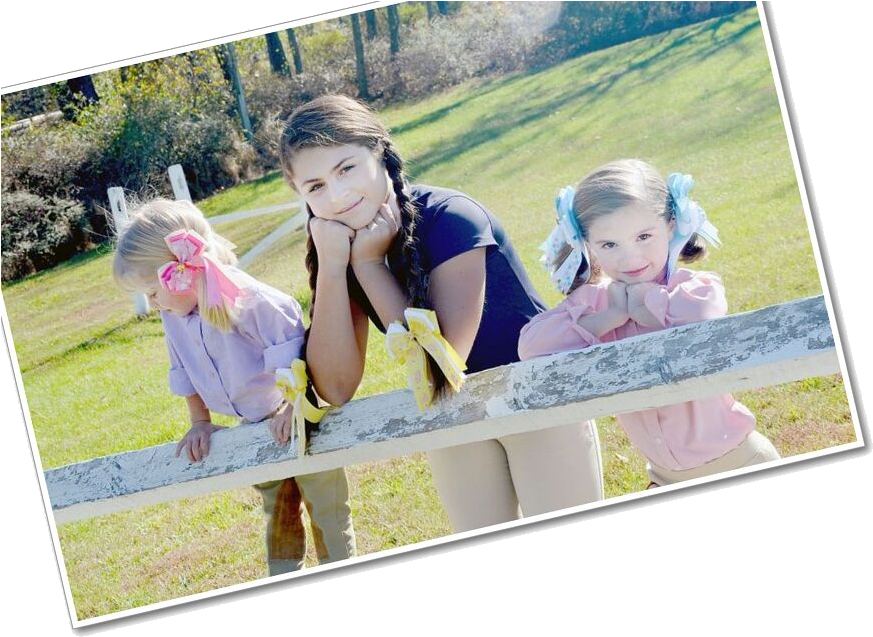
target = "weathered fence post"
x: 179, y: 183
x: 120, y: 219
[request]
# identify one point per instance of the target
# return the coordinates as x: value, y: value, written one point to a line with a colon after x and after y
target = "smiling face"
x: 631, y: 244
x: 341, y: 183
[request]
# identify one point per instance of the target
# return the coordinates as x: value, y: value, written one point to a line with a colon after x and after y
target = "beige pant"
x: 326, y: 497
x: 755, y: 449
x: 493, y: 481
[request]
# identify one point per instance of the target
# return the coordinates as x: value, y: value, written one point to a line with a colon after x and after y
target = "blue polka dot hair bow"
x: 567, y: 234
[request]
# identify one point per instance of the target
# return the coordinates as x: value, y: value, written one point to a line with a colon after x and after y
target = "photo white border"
x: 526, y: 525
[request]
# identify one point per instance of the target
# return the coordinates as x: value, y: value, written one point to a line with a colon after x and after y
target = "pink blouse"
x: 675, y: 437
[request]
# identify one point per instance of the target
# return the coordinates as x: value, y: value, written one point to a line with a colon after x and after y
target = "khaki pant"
x: 494, y: 481
x: 326, y: 497
x: 755, y: 449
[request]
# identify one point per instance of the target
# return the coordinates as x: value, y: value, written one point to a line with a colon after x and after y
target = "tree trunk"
x: 360, y: 63
x: 224, y: 63
x: 83, y: 89
x: 295, y: 50
x: 394, y: 28
x: 372, y: 24
x: 278, y: 61
x: 227, y: 57
x: 76, y: 93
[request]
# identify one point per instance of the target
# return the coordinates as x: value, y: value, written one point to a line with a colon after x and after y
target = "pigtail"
x: 582, y: 274
x: 413, y: 279
x: 694, y: 250
x: 311, y: 262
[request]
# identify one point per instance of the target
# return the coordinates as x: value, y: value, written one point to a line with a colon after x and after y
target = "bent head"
x: 142, y: 250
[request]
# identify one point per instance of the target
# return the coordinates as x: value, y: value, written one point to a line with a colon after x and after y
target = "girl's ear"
x: 671, y: 226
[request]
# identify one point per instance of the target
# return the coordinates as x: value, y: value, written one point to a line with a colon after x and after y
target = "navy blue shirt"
x: 451, y: 223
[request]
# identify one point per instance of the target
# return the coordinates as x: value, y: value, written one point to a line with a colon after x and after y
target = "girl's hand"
x: 616, y: 314
x: 636, y: 301
x: 616, y: 294
x: 636, y: 293
x: 371, y: 243
x: 333, y: 241
x: 280, y: 424
x: 196, y: 441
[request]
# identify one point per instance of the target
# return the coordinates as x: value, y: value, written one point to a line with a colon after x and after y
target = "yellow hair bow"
x: 293, y: 382
x: 408, y: 348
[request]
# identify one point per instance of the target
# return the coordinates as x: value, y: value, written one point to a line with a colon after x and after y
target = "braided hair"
x: 336, y: 120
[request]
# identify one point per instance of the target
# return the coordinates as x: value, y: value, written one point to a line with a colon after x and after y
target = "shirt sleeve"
x: 460, y: 225
x: 180, y: 382
x: 558, y: 330
x: 693, y: 297
x: 275, y: 321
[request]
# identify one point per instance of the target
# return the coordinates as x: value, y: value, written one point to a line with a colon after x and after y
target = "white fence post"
x: 180, y: 192
x: 179, y: 183
x: 120, y: 219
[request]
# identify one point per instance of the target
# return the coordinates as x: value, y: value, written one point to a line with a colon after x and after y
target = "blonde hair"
x: 141, y: 250
x: 621, y: 183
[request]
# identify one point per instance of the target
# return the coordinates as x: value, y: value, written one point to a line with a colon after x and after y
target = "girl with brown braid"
x: 378, y: 246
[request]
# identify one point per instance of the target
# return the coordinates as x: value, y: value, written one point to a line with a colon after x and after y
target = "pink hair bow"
x: 180, y: 276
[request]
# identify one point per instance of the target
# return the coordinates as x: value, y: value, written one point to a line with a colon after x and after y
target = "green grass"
x: 125, y: 560
x: 269, y: 190
x: 698, y: 100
